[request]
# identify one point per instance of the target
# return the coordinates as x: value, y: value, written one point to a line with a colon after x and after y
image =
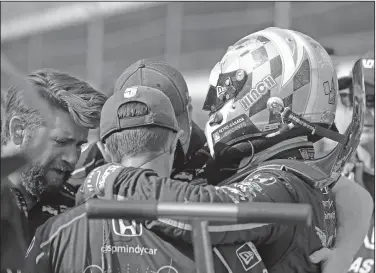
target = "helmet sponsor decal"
x: 257, y: 92
x: 220, y: 91
x: 307, y: 153
x: 330, y: 91
x: 236, y: 127
x: 269, y: 127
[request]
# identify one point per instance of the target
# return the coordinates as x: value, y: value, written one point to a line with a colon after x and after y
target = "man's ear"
x: 175, y: 140
x: 16, y: 130
x: 106, y: 155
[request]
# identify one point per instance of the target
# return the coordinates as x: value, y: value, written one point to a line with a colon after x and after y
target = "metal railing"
x: 199, y: 215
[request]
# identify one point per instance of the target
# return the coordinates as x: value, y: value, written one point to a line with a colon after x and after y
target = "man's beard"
x: 33, y: 180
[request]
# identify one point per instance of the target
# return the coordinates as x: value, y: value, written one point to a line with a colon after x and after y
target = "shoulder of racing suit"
x: 44, y: 249
x: 304, y: 170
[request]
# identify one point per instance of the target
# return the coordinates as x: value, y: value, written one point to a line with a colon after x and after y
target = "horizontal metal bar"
x: 255, y: 212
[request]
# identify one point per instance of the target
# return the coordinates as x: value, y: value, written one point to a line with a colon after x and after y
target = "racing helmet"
x: 345, y: 79
x: 269, y: 68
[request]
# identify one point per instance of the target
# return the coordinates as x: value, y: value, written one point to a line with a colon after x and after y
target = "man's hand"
x: 332, y: 261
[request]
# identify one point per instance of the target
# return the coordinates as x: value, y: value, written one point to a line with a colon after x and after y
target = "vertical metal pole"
x: 34, y: 54
x: 202, y: 246
x: 173, y: 33
x: 282, y: 14
x: 94, y: 57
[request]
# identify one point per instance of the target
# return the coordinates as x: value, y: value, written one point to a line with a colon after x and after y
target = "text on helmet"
x: 256, y: 93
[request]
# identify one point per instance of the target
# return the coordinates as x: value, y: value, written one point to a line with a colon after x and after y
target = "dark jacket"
x: 284, y: 248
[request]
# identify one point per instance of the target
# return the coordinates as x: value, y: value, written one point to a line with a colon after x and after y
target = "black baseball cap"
x: 160, y: 111
x: 159, y: 75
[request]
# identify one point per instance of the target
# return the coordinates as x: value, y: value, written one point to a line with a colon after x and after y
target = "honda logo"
x: 122, y: 228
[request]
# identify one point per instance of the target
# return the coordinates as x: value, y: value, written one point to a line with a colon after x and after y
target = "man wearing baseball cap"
x: 170, y: 81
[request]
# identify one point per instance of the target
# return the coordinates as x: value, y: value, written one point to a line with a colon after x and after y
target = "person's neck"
x: 15, y: 177
x: 15, y: 180
x: 160, y: 163
x: 366, y: 155
x: 288, y: 144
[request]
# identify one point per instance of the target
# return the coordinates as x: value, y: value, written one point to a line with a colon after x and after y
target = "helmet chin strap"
x: 288, y: 144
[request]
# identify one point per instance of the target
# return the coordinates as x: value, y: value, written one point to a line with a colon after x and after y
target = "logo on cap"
x: 130, y: 92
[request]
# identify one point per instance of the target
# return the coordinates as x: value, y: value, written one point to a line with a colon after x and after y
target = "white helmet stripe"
x: 299, y: 49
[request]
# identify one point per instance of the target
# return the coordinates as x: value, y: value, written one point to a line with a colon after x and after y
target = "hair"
x: 137, y: 141
x: 61, y: 91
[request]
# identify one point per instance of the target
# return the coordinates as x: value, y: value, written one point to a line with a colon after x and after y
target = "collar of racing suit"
x: 295, y: 148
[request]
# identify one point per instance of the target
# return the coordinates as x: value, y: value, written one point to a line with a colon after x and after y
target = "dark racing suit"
x: 51, y: 203
x: 364, y: 261
x: 18, y: 222
x: 70, y: 243
x: 283, y: 248
x: 14, y: 232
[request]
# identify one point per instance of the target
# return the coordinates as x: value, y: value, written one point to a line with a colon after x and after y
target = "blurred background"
x: 96, y: 41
